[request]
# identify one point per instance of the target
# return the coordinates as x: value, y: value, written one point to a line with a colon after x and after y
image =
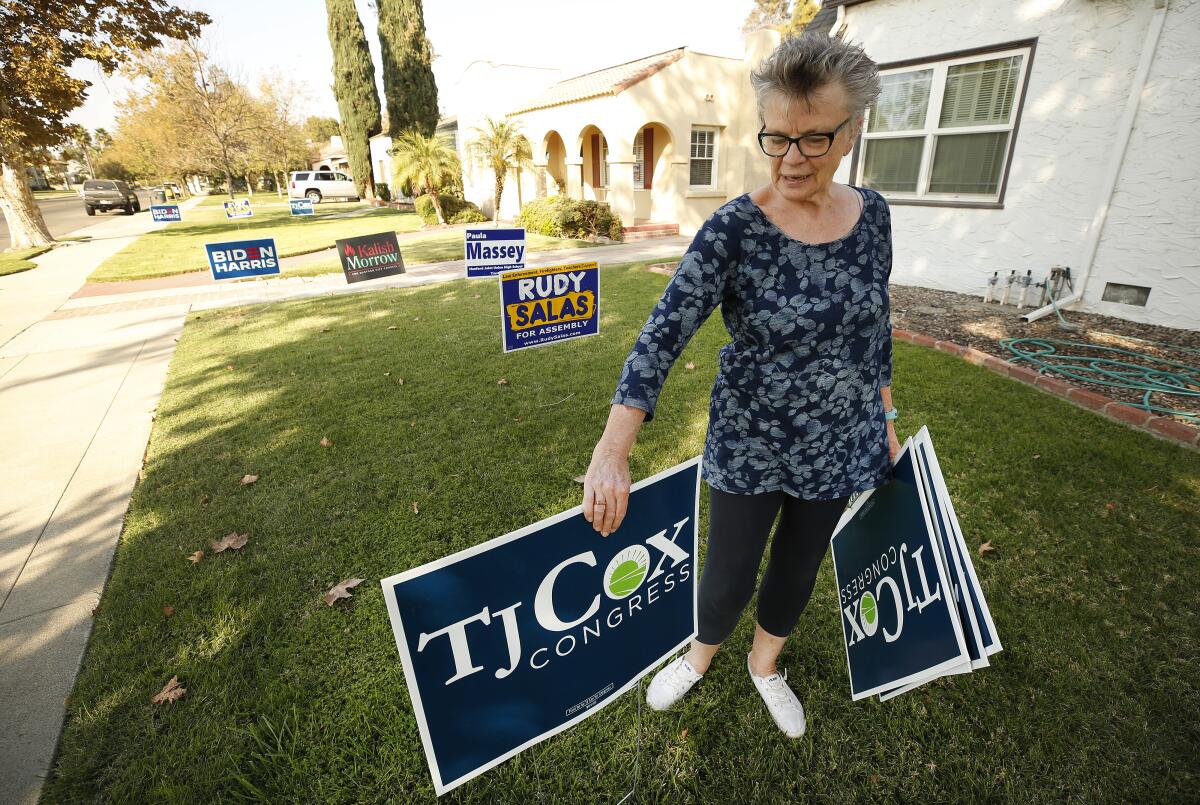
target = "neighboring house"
x: 1017, y: 136
x: 332, y: 155
x: 664, y: 139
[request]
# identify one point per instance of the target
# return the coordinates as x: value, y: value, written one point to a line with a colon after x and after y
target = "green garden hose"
x: 1174, y: 378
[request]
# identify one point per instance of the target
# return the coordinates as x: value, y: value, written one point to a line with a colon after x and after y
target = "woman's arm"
x: 607, y: 477
x: 885, y: 394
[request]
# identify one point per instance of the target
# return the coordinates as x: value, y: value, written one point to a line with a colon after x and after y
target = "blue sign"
x: 517, y: 639
x: 242, y: 258
x: 238, y: 208
x: 899, y: 619
x: 165, y: 212
x: 301, y: 206
x: 490, y: 251
x: 546, y: 305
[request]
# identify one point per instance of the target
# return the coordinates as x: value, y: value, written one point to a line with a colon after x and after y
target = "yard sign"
x: 238, y: 208
x: 490, y: 251
x: 242, y: 258
x: 165, y: 212
x: 546, y: 305
x: 301, y: 206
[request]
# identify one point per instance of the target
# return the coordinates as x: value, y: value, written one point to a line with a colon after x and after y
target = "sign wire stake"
x: 637, y: 753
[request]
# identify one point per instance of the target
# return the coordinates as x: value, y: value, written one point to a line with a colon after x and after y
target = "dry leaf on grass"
x: 1110, y: 505
x: 249, y: 479
x: 400, y: 381
x: 415, y: 509
x: 502, y: 382
x: 341, y: 590
x: 1037, y: 455
x: 205, y: 500
x: 683, y: 735
x: 476, y: 296
x: 168, y: 611
x: 689, y: 365
x: 196, y: 557
x: 232, y: 540
x: 324, y: 329
x: 986, y: 547
x: 393, y: 327
x: 325, y: 442
x: 171, y: 692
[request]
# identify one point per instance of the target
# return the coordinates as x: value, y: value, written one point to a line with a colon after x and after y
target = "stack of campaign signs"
x: 911, y: 606
x: 518, y: 638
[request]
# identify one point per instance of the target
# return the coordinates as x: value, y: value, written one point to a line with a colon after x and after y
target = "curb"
x: 1161, y: 426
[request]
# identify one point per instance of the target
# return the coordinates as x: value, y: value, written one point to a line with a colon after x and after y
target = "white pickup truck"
x: 321, y: 184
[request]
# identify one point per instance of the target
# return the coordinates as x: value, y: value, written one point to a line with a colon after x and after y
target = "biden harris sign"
x: 911, y: 606
x: 491, y: 251
x: 517, y: 639
x: 545, y: 305
x: 242, y: 258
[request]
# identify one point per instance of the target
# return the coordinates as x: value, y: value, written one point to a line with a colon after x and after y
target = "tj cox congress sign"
x: 517, y: 639
x: 911, y: 606
x: 242, y: 258
x: 549, y: 304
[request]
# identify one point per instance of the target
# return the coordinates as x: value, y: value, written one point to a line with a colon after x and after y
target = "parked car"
x: 109, y: 194
x: 319, y: 185
x: 173, y: 188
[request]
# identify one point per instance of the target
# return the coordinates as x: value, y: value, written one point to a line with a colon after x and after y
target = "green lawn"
x: 55, y: 193
x: 16, y: 262
x: 179, y: 247
x: 1095, y: 699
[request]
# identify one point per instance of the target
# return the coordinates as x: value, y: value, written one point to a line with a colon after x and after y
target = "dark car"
x: 107, y: 194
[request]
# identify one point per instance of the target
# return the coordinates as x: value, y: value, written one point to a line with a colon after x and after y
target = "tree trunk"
x: 27, y: 229
x: 279, y: 180
x: 499, y: 195
x: 229, y: 182
x: 249, y: 187
x: 520, y: 202
x: 437, y: 204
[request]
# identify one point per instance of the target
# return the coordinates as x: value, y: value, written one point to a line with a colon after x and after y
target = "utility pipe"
x: 1108, y: 188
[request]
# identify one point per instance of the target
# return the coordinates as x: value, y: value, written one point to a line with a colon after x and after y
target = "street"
x: 66, y: 214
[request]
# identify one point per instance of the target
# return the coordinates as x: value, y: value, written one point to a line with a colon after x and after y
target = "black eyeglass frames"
x: 812, y: 145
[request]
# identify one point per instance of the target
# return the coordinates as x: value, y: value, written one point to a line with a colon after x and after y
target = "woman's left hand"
x: 893, y: 442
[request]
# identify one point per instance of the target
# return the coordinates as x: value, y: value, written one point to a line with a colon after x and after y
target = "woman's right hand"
x: 606, y: 490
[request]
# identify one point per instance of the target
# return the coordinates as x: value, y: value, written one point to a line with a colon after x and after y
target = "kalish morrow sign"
x: 370, y: 257
x: 517, y: 639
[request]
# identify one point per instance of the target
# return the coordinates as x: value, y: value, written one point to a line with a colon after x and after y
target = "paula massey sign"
x: 490, y: 251
x: 517, y: 639
x: 370, y: 257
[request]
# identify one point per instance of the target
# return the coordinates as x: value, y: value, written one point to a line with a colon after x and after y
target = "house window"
x: 603, y: 162
x: 639, y: 162
x: 702, y: 166
x: 942, y: 131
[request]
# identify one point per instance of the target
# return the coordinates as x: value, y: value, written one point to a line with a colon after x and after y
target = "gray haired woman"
x: 801, y: 411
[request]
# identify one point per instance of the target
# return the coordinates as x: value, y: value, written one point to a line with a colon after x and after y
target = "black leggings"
x: 738, y: 527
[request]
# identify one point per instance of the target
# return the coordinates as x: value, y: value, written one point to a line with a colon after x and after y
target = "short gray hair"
x: 802, y: 65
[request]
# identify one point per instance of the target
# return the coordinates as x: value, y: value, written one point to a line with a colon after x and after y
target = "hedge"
x: 562, y: 217
x: 456, y: 210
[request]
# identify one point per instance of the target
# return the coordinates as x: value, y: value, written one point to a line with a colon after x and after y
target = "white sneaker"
x: 668, y: 686
x: 782, y: 703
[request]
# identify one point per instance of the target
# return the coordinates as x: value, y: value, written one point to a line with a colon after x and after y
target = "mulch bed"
x: 966, y: 320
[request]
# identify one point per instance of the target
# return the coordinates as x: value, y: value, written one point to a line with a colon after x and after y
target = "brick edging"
x: 1161, y: 426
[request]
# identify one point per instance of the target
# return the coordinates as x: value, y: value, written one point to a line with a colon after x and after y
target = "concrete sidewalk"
x: 80, y: 378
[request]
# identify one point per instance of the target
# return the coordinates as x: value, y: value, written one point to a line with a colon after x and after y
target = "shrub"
x: 456, y: 210
x: 383, y: 191
x: 562, y: 217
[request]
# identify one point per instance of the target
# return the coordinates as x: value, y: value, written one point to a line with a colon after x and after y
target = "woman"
x: 800, y: 416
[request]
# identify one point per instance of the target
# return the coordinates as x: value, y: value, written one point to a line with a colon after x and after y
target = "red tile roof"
x: 609, y: 81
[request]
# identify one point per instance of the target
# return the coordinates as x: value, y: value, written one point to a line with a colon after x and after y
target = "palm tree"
x: 500, y: 146
x: 427, y: 163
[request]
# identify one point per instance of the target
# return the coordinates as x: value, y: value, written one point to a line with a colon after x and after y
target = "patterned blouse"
x: 796, y: 404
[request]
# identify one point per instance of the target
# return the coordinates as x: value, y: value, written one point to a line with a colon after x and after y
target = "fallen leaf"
x: 168, y: 611
x: 579, y: 479
x: 689, y: 365
x: 341, y: 590
x: 416, y: 318
x: 325, y: 442
x: 205, y: 500
x: 986, y: 547
x: 171, y: 692
x: 874, y: 779
x: 413, y: 424
x: 393, y: 327
x: 683, y: 735
x: 196, y: 557
x: 387, y: 374
x: 476, y: 296
x: 1110, y: 505
x: 232, y: 540
x: 249, y: 479
x: 1037, y: 455
x: 400, y: 381
x: 931, y: 766
x: 519, y: 419
x: 324, y: 329
x: 415, y: 509
x: 502, y: 382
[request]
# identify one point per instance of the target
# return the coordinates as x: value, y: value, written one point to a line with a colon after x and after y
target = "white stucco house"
x: 1025, y: 134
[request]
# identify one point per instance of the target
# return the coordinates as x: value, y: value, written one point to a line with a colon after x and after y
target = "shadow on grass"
x: 291, y: 700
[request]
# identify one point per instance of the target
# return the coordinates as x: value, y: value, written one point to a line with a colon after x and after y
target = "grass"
x: 179, y: 247
x: 16, y: 262
x: 1096, y: 697
x: 55, y: 193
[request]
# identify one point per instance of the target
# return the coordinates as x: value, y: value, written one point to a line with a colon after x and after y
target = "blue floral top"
x: 796, y: 404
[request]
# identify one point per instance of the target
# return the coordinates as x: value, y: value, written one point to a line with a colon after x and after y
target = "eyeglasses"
x: 810, y: 145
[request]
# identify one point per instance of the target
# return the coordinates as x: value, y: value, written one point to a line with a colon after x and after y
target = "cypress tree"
x: 354, y: 86
x: 408, y: 84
